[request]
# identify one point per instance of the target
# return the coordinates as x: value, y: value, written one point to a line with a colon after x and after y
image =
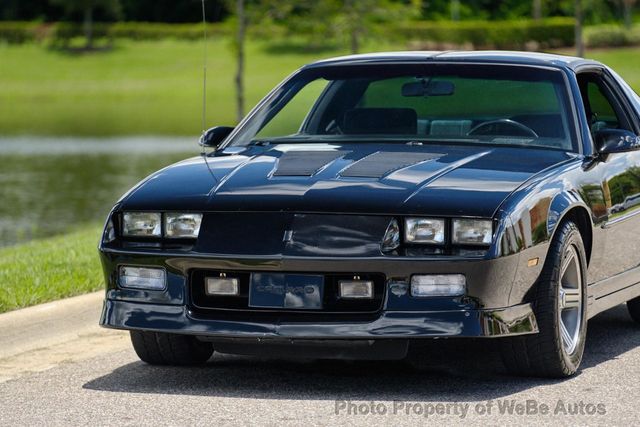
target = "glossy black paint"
x: 214, y: 136
x: 336, y: 222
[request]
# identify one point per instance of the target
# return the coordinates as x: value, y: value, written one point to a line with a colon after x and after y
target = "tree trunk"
x: 88, y: 26
x: 454, y: 7
x: 537, y: 10
x: 627, y: 6
x: 355, y: 41
x: 354, y: 25
x: 240, y: 41
x: 578, y: 30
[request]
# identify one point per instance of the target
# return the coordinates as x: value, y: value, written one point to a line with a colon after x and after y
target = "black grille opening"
x: 331, y: 302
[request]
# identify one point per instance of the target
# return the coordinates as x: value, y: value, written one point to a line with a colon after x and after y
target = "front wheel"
x: 634, y: 309
x: 157, y: 348
x: 560, y: 309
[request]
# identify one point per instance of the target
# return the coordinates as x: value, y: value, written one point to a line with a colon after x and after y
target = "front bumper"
x: 492, y: 308
x: 511, y: 321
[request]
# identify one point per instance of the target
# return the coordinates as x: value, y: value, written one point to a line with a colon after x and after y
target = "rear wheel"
x: 560, y: 309
x: 634, y: 309
x: 157, y: 348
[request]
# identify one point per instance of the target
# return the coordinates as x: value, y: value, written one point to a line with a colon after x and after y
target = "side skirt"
x: 613, y: 291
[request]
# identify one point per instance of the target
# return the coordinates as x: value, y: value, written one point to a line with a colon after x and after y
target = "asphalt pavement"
x: 103, y: 383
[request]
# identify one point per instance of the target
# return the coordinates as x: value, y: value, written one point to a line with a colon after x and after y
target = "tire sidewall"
x: 571, y: 236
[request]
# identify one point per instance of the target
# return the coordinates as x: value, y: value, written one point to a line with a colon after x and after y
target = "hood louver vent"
x: 305, y: 163
x: 383, y: 163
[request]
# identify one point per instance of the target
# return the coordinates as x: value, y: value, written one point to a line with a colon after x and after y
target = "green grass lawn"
x: 50, y: 269
x: 137, y: 88
x: 155, y: 87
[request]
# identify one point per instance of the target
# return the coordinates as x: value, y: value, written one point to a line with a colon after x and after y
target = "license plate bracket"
x: 286, y: 291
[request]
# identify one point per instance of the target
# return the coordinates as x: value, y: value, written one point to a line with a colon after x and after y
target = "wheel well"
x: 580, y: 217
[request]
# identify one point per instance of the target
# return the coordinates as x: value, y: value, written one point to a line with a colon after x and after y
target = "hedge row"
x: 611, y: 36
x: 20, y: 32
x: 524, y: 34
x: 520, y: 34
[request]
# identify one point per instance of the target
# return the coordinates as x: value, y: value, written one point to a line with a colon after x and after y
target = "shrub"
x: 63, y: 32
x: 548, y: 33
x: 17, y: 32
x: 611, y: 36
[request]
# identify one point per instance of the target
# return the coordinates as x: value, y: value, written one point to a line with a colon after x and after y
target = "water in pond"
x: 50, y: 186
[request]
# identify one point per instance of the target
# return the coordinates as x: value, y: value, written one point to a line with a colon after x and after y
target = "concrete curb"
x: 48, y: 324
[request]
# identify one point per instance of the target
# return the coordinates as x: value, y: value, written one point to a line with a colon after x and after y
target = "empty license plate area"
x: 267, y: 291
x: 292, y: 291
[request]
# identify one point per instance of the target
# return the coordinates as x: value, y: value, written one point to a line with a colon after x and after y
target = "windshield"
x: 475, y: 104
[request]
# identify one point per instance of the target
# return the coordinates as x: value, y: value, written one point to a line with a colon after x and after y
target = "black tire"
x: 634, y: 309
x: 157, y: 348
x: 544, y: 354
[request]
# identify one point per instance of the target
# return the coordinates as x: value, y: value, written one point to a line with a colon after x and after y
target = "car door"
x: 607, y: 107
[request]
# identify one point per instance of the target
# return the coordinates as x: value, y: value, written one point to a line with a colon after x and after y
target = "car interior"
x: 397, y: 107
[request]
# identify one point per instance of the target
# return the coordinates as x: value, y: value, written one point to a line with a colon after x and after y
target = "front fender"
x: 561, y: 205
x: 534, y: 211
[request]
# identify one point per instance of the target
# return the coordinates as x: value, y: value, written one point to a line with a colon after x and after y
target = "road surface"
x: 97, y: 379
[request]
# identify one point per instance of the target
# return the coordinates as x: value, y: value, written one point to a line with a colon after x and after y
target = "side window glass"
x: 603, y: 115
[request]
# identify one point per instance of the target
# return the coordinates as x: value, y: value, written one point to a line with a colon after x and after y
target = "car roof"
x: 496, y: 57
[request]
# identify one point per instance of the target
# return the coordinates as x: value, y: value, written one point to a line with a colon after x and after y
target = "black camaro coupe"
x: 372, y: 201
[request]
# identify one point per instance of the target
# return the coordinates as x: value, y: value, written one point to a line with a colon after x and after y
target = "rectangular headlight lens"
x: 142, y: 224
x: 182, y: 225
x: 221, y: 286
x: 438, y: 285
x: 472, y: 232
x: 142, y: 278
x: 356, y: 289
x: 424, y: 230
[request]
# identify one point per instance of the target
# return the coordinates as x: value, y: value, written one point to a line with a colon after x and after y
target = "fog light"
x: 438, y: 285
x: 142, y: 278
x: 221, y: 286
x: 356, y: 289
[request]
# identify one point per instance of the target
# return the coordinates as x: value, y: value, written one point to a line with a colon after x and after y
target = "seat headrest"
x: 403, y: 121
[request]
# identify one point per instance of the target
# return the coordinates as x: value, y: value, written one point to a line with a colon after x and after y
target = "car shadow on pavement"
x: 442, y: 371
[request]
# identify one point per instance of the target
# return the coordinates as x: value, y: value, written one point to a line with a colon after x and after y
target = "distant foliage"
x: 62, y: 32
x: 18, y: 32
x: 130, y: 10
x: 556, y: 32
x: 612, y: 36
x: 516, y: 34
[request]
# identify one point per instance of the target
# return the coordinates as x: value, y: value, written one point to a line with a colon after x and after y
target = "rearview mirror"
x: 214, y: 136
x: 610, y: 141
x: 430, y: 88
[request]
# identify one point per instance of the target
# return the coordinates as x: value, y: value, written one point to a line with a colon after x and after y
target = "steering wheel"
x: 490, y: 127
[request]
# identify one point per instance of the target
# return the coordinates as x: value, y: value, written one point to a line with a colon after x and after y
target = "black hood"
x: 392, y: 178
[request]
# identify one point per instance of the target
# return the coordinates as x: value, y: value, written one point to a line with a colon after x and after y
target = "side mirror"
x: 610, y: 141
x: 214, y: 136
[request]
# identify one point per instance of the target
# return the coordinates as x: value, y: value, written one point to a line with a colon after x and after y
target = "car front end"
x: 366, y: 219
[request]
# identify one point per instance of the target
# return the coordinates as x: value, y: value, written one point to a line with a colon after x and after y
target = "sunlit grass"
x: 50, y: 269
x: 154, y: 88
x: 148, y: 88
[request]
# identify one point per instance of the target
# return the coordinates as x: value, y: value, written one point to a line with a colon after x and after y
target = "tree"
x: 579, y: 14
x: 627, y: 6
x: 326, y: 20
x: 247, y: 12
x: 87, y: 8
x: 241, y: 34
x: 537, y: 10
x: 455, y: 10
